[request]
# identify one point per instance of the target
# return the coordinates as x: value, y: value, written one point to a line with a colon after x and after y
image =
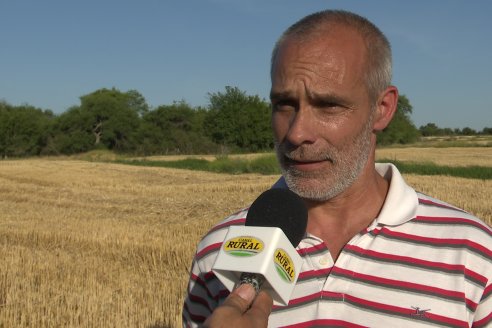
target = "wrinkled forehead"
x: 325, y: 65
x: 331, y: 54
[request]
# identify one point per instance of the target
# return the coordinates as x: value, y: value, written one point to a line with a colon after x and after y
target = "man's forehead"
x: 324, y: 42
x: 328, y: 57
x: 316, y: 63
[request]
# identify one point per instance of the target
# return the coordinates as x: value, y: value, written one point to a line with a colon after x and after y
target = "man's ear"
x: 386, y: 108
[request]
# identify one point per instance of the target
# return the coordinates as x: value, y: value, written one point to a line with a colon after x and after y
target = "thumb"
x: 262, y: 306
x: 242, y: 308
x: 241, y: 298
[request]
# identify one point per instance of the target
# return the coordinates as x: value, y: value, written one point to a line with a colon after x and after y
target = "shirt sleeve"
x: 483, y: 314
x: 199, y: 302
x: 205, y: 291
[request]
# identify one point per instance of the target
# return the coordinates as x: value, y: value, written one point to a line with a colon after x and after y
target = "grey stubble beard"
x: 347, y: 164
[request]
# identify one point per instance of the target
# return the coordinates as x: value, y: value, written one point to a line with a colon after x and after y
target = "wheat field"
x: 465, y: 156
x: 86, y: 244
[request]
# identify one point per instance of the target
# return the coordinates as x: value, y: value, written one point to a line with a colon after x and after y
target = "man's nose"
x: 302, y: 127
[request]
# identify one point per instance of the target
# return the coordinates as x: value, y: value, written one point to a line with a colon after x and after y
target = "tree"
x: 448, y: 131
x: 106, y: 118
x: 177, y: 128
x: 431, y: 129
x: 137, y: 102
x: 24, y: 130
x: 114, y: 117
x: 401, y: 129
x: 73, y: 132
x: 467, y: 131
x: 239, y: 121
x: 487, y: 131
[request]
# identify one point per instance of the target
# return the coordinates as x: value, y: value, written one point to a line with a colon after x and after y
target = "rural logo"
x: 243, y: 246
x: 284, y: 265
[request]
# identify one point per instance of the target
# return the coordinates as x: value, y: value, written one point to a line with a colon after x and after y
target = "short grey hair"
x: 378, y: 73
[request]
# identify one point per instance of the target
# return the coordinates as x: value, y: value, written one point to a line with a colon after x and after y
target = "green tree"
x: 467, y: 131
x: 239, y: 121
x: 72, y: 132
x: 106, y: 118
x: 137, y: 102
x: 114, y: 117
x: 24, y: 130
x: 448, y: 131
x: 487, y: 131
x: 177, y: 129
x: 401, y: 130
x: 431, y: 129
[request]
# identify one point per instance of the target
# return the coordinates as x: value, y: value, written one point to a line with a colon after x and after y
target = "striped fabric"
x: 421, y: 263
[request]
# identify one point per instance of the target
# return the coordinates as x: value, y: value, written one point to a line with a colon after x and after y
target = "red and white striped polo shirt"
x: 421, y: 263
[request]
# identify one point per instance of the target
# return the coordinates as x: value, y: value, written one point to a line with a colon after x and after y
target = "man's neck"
x: 339, y: 219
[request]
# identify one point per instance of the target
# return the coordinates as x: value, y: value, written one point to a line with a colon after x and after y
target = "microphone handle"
x: 255, y: 280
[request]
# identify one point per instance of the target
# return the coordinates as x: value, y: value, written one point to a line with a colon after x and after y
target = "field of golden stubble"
x: 464, y: 156
x: 92, y: 244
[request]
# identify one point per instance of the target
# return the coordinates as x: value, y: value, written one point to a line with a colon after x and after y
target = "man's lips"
x: 304, y: 164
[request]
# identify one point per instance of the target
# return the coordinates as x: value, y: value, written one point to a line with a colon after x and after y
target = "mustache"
x: 303, y: 153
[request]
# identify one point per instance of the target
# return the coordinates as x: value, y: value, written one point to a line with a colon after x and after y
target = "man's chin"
x: 313, y: 188
x: 305, y: 187
x: 313, y: 196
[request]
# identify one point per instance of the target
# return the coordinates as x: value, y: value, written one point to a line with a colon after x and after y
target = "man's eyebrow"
x: 314, y: 97
x: 274, y: 95
x: 327, y: 97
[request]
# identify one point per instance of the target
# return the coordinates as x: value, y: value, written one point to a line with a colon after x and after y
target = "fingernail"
x: 246, y: 292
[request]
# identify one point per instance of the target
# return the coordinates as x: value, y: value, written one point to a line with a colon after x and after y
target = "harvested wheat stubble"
x: 452, y: 156
x: 92, y: 244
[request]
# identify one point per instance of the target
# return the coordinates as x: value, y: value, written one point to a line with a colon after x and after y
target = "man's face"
x: 321, y: 113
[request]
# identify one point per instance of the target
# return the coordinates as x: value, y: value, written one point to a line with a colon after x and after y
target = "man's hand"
x: 242, y: 308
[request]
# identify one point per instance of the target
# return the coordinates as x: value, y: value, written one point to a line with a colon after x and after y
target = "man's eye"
x: 283, y: 106
x: 331, y: 107
x: 327, y: 104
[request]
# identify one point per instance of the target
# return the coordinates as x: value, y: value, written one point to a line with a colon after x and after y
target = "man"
x: 376, y: 252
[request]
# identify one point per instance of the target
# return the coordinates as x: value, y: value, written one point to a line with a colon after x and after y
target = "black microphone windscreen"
x: 280, y: 208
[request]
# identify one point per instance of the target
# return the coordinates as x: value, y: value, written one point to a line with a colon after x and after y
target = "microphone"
x: 262, y: 253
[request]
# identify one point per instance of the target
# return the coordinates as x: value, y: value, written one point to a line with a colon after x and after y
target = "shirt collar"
x: 401, y: 201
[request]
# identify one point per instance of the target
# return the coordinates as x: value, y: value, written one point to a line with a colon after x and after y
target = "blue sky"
x: 54, y: 51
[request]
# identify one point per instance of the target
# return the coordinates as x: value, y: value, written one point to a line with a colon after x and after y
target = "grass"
x: 455, y: 141
x: 267, y: 164
x: 429, y: 169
